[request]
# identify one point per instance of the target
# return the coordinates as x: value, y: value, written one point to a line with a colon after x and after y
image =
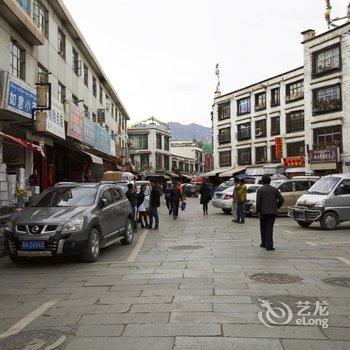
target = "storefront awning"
x: 189, y: 177
x: 170, y: 173
x: 295, y: 170
x: 233, y: 171
x: 214, y: 172
x: 94, y: 159
x: 23, y: 143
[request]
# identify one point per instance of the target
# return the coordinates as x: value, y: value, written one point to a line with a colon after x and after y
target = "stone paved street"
x: 190, y: 287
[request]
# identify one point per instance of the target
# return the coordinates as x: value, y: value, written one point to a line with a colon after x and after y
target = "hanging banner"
x: 89, y: 132
x: 75, y: 123
x: 102, y: 140
x: 298, y: 161
x: 20, y: 98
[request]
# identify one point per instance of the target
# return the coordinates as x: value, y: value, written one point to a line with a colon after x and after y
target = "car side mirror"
x: 103, y: 202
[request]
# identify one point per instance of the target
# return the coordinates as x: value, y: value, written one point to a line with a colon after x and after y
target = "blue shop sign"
x: 21, y: 98
x: 89, y: 132
x: 102, y: 140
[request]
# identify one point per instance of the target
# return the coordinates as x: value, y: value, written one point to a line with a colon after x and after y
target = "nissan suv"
x: 70, y: 219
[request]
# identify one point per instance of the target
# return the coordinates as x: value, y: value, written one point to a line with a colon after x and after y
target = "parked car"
x: 70, y: 218
x: 223, y: 199
x: 291, y: 190
x: 147, y: 191
x: 326, y: 202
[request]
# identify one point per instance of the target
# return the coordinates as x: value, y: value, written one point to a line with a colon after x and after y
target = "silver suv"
x: 327, y: 201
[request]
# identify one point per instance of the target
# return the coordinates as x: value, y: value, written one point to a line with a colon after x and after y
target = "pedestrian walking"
x: 235, y: 200
x: 131, y: 195
x: 205, y: 193
x: 167, y: 192
x: 268, y: 201
x: 175, y: 198
x: 141, y: 207
x: 241, y: 200
x: 153, y: 207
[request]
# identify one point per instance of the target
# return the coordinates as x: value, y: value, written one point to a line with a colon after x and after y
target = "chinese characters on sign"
x: 102, y: 140
x: 329, y: 155
x: 278, y: 147
x: 89, y: 132
x: 75, y: 123
x: 55, y: 123
x: 21, y: 98
x: 298, y: 161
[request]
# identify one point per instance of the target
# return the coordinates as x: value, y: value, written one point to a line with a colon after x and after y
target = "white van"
x: 327, y: 201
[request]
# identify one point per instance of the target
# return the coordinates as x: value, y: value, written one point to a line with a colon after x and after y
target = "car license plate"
x: 33, y: 245
x: 299, y: 215
x: 218, y: 196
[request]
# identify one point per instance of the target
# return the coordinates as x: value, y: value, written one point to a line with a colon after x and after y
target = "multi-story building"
x: 191, y: 150
x: 183, y: 166
x: 150, y: 146
x: 303, y: 112
x: 327, y: 92
x: 87, y: 123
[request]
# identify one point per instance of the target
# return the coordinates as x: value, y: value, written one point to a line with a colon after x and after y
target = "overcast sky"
x: 160, y: 55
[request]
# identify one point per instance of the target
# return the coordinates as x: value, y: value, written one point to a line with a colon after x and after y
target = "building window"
x: 159, y: 141
x: 225, y: 135
x: 275, y: 97
x: 295, y: 149
x: 166, y: 143
x: 260, y: 128
x: 326, y: 61
x: 274, y: 159
x: 61, y: 43
x: 94, y: 117
x: 295, y: 91
x: 86, y: 75
x: 224, y: 111
x: 295, y: 122
x: 244, y: 156
x: 243, y: 106
x: 328, y: 136
x: 101, y: 94
x: 166, y: 163
x: 43, y: 74
x: 18, y: 61
x: 76, y: 63
x: 86, y: 112
x: 260, y: 101
x: 62, y: 95
x: 94, y: 86
x: 25, y: 4
x: 244, y: 132
x: 41, y: 17
x: 327, y: 99
x: 275, y: 126
x: 261, y: 154
x: 225, y: 158
x: 139, y: 141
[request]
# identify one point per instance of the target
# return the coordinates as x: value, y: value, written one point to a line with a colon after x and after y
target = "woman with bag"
x: 205, y: 193
x: 141, y: 208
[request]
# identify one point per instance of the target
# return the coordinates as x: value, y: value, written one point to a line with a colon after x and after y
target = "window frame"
x: 258, y: 148
x: 224, y: 138
x: 264, y: 127
x: 224, y: 110
x: 41, y: 17
x: 293, y: 86
x: 61, y: 43
x: 244, y: 138
x: 159, y: 141
x: 290, y: 130
x: 76, y: 62
x: 86, y: 75
x: 228, y: 155
x: 42, y: 72
x: 19, y: 57
x: 273, y: 102
x: 248, y: 150
x: 335, y: 108
x: 295, y: 154
x: 142, y: 141
x: 327, y: 71
x: 249, y: 106
x: 260, y: 101
x: 327, y: 131
x: 277, y: 132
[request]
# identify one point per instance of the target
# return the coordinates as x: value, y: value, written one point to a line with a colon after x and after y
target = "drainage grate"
x: 338, y: 281
x: 38, y: 340
x: 186, y: 247
x: 293, y: 301
x: 275, y: 278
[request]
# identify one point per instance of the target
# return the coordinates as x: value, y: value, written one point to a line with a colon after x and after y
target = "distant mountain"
x: 181, y: 132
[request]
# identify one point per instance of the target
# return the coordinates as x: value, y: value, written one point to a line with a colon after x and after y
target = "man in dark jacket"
x: 131, y: 195
x: 175, y: 198
x: 268, y: 201
x: 154, y: 203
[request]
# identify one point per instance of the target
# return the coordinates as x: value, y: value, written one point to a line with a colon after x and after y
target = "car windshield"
x: 324, y: 185
x: 275, y: 183
x: 67, y: 197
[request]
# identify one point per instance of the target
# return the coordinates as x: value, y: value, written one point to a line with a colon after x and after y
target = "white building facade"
x: 150, y: 146
x: 303, y: 112
x: 40, y: 43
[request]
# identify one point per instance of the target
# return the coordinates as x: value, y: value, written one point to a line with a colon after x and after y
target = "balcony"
x: 326, y: 106
x: 19, y: 19
x: 296, y: 96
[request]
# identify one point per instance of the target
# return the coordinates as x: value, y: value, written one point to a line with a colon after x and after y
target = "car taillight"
x: 228, y: 196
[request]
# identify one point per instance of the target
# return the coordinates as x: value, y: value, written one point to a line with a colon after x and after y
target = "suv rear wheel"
x: 329, y: 221
x: 91, y: 252
x: 128, y: 234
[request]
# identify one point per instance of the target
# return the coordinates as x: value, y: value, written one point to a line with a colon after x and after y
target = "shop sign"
x: 112, y: 151
x: 21, y: 98
x: 329, y: 155
x: 55, y: 122
x: 298, y: 161
x: 89, y: 132
x: 75, y: 123
x: 102, y: 140
x: 278, y: 147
